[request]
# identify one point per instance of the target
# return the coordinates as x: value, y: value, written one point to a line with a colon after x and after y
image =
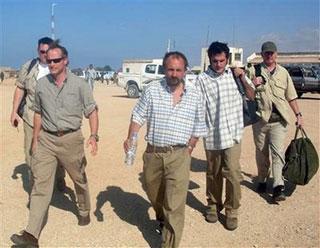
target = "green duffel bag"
x: 301, y: 159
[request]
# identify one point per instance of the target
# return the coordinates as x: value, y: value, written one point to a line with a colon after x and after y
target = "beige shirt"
x: 28, y: 81
x: 63, y: 108
x: 278, y: 89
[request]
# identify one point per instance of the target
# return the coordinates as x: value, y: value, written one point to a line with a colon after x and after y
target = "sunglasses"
x: 55, y: 61
x: 43, y: 51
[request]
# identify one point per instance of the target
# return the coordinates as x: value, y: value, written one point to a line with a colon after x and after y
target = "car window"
x: 295, y: 72
x: 151, y: 69
x: 161, y: 70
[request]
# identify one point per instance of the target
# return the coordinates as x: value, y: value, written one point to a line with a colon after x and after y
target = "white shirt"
x: 43, y: 70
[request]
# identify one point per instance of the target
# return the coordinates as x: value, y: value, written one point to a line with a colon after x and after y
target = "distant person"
x: 1, y: 76
x: 61, y: 100
x: 174, y: 115
x: 29, y: 75
x: 91, y: 75
x: 274, y: 89
x: 224, y: 112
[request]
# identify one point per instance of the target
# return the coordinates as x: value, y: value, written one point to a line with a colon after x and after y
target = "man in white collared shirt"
x: 224, y: 119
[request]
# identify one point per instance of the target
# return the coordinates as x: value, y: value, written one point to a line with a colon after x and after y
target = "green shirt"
x: 28, y: 82
x: 63, y: 108
x: 277, y: 90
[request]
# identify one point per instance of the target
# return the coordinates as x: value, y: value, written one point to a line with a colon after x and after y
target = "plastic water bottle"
x: 131, y: 153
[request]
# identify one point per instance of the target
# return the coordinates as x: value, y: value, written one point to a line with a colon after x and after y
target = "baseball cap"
x: 268, y: 46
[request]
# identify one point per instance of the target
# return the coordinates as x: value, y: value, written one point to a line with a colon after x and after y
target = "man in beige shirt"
x: 29, y: 75
x: 274, y: 89
x: 61, y: 99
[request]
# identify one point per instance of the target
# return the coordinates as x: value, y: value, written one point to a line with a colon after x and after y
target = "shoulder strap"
x: 257, y: 69
x: 31, y: 65
x: 239, y: 84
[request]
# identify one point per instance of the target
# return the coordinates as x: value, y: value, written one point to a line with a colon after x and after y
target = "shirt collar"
x: 214, y: 74
x: 167, y: 88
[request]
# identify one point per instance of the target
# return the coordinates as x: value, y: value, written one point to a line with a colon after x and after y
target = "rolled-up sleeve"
x: 36, y: 107
x: 89, y: 103
x: 20, y: 82
x: 290, y: 91
x: 139, y: 113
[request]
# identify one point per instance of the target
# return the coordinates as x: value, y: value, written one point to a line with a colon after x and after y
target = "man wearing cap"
x: 274, y: 87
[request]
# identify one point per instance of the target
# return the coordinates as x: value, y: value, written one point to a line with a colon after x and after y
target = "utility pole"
x: 52, y: 20
x: 169, y: 46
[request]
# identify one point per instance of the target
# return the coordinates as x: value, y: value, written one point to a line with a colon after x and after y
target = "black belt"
x: 163, y: 149
x: 61, y: 132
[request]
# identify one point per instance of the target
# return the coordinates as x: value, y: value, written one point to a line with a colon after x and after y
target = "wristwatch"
x: 95, y: 136
x: 298, y: 114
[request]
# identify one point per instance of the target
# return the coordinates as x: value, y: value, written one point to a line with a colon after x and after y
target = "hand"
x: 238, y: 72
x: 34, y: 145
x: 126, y: 145
x: 94, y: 146
x: 299, y: 122
x: 190, y: 149
x: 257, y: 81
x: 14, y: 119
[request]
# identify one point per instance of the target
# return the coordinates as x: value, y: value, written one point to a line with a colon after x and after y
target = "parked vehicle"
x: 305, y: 79
x: 136, y: 74
x: 109, y: 75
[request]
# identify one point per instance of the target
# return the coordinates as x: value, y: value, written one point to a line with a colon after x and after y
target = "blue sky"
x: 106, y: 32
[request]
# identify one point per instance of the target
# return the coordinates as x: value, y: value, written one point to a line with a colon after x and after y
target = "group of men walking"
x: 177, y: 113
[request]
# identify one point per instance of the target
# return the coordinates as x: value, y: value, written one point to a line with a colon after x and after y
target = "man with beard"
x: 61, y: 100
x: 175, y: 120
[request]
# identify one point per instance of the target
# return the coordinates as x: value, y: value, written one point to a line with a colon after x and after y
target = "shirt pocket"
x: 279, y: 89
x: 72, y: 103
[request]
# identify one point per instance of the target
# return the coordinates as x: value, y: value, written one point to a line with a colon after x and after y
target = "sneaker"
x: 262, y: 188
x: 278, y: 194
x: 24, y: 239
x: 83, y: 220
x: 231, y: 223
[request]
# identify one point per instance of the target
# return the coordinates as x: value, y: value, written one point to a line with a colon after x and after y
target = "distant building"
x: 289, y: 58
x: 235, y: 58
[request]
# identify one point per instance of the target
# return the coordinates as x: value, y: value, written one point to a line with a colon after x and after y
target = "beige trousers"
x: 166, y: 179
x: 28, y: 134
x: 224, y: 164
x: 269, y: 137
x: 69, y: 151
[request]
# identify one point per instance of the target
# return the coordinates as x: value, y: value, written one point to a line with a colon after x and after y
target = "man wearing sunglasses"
x: 61, y: 100
x: 28, y: 78
x: 274, y: 89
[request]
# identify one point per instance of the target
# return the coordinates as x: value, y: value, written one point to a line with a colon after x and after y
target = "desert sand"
x: 123, y: 215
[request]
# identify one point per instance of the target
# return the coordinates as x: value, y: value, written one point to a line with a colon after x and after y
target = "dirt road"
x: 123, y: 216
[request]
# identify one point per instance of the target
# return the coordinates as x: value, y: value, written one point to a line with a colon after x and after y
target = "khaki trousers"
x: 166, y: 179
x: 28, y: 135
x: 224, y: 164
x: 69, y: 151
x: 269, y: 137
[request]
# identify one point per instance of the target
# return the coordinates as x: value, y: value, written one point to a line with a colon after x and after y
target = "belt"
x: 163, y: 149
x: 61, y: 132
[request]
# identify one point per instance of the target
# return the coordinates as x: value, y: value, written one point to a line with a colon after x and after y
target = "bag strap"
x: 303, y: 132
x: 31, y: 65
x: 238, y: 82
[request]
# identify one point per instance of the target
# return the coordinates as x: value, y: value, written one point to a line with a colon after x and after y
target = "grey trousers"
x: 69, y: 151
x: 166, y: 179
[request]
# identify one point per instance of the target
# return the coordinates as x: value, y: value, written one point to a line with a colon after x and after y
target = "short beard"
x: 174, y: 81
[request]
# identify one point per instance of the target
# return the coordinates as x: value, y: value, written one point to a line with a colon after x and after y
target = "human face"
x: 174, y: 71
x: 269, y: 58
x: 42, y: 53
x: 56, y: 62
x: 219, y: 62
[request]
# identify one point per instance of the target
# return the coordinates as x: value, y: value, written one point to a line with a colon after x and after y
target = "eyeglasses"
x: 55, y: 61
x: 43, y: 51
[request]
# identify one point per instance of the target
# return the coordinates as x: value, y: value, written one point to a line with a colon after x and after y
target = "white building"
x: 235, y: 58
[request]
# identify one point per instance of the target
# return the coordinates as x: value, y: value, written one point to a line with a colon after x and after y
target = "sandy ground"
x: 124, y: 217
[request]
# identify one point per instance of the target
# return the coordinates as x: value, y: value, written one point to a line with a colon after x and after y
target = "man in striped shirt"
x: 224, y: 119
x: 174, y: 115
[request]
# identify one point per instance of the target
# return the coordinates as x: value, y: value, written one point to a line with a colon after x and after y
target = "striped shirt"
x: 224, y: 109
x: 167, y: 124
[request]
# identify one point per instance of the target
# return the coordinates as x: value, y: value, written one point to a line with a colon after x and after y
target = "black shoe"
x: 83, y: 220
x: 160, y: 228
x: 61, y: 184
x: 262, y: 188
x: 278, y: 194
x: 25, y: 239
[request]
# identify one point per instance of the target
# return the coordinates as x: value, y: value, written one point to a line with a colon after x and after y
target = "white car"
x: 108, y: 75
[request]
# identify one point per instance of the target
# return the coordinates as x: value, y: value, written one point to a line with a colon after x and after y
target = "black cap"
x: 268, y: 46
